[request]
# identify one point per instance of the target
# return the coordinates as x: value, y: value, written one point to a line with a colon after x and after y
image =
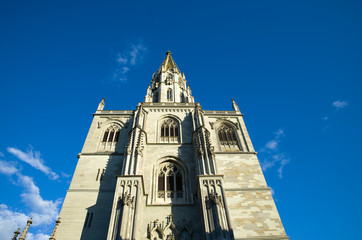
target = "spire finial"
x: 168, y: 53
x: 235, y: 106
x: 57, y: 222
x: 16, y: 233
x: 26, y: 229
x: 101, y: 104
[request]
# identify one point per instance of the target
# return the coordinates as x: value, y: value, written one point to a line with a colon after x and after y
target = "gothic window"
x: 111, y: 134
x: 227, y: 138
x: 170, y: 181
x: 169, y: 94
x: 169, y: 130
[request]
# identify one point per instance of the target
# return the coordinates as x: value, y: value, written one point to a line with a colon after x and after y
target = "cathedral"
x: 168, y: 170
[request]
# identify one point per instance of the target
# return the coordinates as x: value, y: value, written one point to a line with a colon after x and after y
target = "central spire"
x: 169, y: 84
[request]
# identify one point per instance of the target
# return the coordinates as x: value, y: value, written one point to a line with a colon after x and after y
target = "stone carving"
x: 213, y: 199
x: 170, y: 231
x: 126, y: 199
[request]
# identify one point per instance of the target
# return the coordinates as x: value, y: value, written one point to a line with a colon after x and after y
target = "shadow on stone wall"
x: 97, y: 218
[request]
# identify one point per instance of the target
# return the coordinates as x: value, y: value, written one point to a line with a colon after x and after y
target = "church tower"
x: 168, y: 170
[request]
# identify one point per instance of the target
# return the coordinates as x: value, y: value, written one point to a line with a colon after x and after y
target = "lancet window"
x: 111, y: 134
x: 169, y: 131
x: 227, y: 138
x: 169, y: 94
x: 170, y: 181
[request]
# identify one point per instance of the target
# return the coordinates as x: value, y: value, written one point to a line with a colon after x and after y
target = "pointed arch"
x: 169, y: 130
x: 170, y: 181
x: 227, y: 136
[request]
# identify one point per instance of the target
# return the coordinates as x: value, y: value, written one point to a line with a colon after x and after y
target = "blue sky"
x: 293, y: 67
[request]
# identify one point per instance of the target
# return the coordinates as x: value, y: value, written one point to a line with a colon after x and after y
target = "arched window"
x: 227, y: 138
x: 111, y: 134
x: 169, y: 94
x: 169, y: 130
x: 170, y: 181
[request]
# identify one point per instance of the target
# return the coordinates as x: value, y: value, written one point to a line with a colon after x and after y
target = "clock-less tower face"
x: 168, y: 170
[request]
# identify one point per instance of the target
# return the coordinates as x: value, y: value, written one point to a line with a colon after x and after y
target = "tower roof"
x: 168, y: 63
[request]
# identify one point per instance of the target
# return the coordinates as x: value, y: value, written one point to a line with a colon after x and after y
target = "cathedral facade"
x: 168, y: 170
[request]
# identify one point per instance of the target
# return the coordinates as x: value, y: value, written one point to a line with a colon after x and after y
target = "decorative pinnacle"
x: 16, y: 233
x: 168, y: 53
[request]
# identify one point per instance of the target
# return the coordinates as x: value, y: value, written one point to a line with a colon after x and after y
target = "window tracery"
x: 170, y: 181
x: 111, y: 134
x: 227, y: 138
x: 169, y: 131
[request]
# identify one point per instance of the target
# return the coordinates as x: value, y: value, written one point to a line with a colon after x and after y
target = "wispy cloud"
x: 8, y: 168
x: 10, y: 221
x: 34, y: 160
x: 64, y: 175
x: 126, y: 60
x: 2, y: 154
x: 339, y: 104
x: 336, y: 106
x: 271, y: 155
x: 44, y: 212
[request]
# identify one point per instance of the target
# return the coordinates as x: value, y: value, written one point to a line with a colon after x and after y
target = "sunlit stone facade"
x: 168, y: 170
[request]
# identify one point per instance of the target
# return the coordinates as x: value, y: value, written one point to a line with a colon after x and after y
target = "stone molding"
x: 100, y: 153
x: 247, y: 189
x: 237, y: 152
x: 264, y: 237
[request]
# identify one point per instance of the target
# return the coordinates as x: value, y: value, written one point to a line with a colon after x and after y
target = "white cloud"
x: 34, y: 160
x: 125, y: 60
x: 272, y: 144
x: 42, y: 211
x: 8, y: 168
x: 64, y: 175
x: 272, y: 155
x: 10, y: 221
x: 339, y: 104
x: 125, y: 69
x: 283, y: 162
x: 136, y: 53
x: 38, y: 236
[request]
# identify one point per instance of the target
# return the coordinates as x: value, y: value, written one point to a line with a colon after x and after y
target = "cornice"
x: 100, y: 153
x: 247, y: 189
x: 236, y: 152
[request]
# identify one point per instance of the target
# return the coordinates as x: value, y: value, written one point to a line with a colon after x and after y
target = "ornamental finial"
x: 53, y: 236
x: 26, y: 229
x: 16, y: 233
x: 168, y: 53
